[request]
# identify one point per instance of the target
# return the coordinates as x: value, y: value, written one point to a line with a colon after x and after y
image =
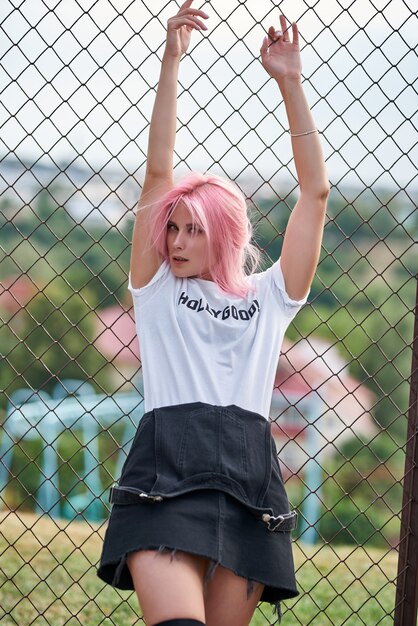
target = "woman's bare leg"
x: 226, y: 599
x: 168, y: 586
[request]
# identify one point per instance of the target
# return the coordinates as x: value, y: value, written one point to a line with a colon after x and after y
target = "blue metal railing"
x: 36, y: 415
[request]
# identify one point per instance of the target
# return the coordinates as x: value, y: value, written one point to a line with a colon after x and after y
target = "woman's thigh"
x: 168, y: 586
x: 226, y: 599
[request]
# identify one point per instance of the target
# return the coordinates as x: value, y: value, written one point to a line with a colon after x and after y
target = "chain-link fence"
x: 78, y: 82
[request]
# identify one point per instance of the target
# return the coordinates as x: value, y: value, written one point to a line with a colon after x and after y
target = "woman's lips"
x: 179, y: 259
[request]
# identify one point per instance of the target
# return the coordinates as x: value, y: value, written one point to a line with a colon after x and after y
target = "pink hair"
x: 219, y: 208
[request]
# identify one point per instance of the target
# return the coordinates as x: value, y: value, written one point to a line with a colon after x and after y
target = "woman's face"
x: 187, y: 246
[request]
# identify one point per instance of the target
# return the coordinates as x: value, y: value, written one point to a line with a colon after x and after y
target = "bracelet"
x: 308, y: 132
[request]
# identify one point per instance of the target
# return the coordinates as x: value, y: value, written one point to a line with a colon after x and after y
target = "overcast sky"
x: 77, y: 79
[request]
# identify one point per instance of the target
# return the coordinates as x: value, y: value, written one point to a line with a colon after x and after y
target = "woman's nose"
x: 179, y: 241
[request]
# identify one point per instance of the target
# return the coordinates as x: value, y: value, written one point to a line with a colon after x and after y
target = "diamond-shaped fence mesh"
x: 77, y: 84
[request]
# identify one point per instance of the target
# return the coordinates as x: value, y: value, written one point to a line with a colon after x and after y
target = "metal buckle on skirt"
x: 130, y: 495
x: 280, y: 522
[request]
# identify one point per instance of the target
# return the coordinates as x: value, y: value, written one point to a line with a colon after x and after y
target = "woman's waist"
x: 176, y: 409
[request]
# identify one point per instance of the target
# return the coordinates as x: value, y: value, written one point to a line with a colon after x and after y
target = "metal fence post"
x: 407, y: 580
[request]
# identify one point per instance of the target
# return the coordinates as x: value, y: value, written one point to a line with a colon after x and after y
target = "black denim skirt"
x: 205, y: 480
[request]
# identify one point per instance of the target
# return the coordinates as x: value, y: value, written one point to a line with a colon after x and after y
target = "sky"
x: 77, y: 80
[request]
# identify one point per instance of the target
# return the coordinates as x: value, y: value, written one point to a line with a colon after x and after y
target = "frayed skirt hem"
x: 212, y: 525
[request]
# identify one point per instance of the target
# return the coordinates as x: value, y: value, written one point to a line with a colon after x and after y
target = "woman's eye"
x: 195, y: 230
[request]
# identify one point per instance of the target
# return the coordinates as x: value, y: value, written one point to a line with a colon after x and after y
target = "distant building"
x: 15, y: 292
x: 315, y: 395
x: 117, y: 341
x: 106, y: 194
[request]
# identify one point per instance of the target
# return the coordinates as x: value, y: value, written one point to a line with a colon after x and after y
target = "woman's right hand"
x: 180, y: 27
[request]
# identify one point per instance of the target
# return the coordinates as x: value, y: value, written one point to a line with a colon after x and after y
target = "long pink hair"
x: 218, y: 207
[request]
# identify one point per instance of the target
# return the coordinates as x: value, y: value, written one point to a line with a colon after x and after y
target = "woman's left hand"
x: 280, y: 56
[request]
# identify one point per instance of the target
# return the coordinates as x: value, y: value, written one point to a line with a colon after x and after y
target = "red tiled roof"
x: 116, y: 335
x: 15, y: 292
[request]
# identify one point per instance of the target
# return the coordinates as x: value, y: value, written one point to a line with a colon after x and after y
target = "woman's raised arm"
x: 159, y: 169
x: 303, y: 237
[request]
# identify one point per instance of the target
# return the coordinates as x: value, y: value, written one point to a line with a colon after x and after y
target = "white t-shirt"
x: 199, y: 344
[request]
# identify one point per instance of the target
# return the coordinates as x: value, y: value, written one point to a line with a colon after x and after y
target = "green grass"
x: 48, y: 578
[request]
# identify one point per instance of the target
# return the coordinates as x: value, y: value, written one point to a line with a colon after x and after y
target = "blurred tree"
x: 51, y: 339
x: 362, y: 493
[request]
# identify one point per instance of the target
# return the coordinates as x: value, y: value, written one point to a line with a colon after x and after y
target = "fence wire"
x: 77, y: 84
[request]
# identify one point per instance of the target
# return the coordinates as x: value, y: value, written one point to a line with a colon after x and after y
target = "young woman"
x: 200, y: 524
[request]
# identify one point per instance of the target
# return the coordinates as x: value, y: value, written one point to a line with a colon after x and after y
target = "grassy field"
x: 48, y: 578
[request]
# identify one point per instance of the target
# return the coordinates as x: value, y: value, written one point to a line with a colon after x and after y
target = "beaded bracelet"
x: 308, y: 132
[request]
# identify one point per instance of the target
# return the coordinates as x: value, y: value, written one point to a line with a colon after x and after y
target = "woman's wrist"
x: 301, y: 122
x: 171, y: 58
x: 288, y: 84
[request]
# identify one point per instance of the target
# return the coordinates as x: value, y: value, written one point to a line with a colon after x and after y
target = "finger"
x: 197, y: 21
x: 178, y: 22
x: 186, y: 4
x: 192, y: 12
x: 285, y: 28
x: 264, y: 46
x: 295, y: 33
x: 272, y: 33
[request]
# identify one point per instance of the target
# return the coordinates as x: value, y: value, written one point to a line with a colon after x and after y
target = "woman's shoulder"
x: 264, y: 274
x: 162, y: 277
x: 271, y: 282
